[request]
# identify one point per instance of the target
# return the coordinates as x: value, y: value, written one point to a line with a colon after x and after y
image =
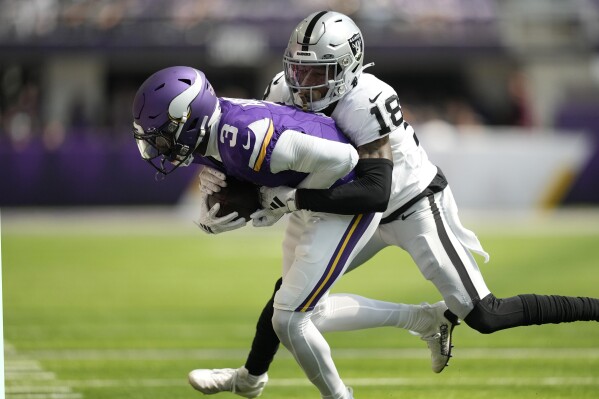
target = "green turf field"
x: 124, y: 312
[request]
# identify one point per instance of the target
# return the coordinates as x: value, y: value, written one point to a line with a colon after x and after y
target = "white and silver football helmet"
x: 323, y: 59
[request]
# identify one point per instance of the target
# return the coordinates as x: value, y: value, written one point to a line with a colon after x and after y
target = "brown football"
x: 239, y: 196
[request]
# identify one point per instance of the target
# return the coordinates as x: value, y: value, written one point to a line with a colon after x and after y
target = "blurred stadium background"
x: 504, y: 94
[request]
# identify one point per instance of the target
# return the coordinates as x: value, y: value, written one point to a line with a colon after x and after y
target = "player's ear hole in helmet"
x: 323, y: 59
x: 173, y: 111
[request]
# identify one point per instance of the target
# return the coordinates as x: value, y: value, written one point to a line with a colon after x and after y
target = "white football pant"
x: 317, y: 249
x: 433, y: 235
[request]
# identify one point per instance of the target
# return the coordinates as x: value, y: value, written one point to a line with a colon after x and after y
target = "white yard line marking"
x: 29, y: 375
x: 543, y: 381
x: 21, y: 370
x: 38, y: 389
x: 22, y: 365
x: 45, y: 395
x: 385, y: 353
x: 300, y: 382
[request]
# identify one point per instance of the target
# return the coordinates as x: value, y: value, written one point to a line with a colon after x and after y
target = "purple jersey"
x: 249, y: 130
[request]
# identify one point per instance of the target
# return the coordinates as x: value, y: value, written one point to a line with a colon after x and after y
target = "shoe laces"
x: 432, y: 338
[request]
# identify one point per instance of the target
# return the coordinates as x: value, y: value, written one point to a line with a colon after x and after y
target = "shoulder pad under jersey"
x: 371, y: 110
x: 277, y: 90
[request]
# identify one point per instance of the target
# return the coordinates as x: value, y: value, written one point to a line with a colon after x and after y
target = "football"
x: 238, y: 196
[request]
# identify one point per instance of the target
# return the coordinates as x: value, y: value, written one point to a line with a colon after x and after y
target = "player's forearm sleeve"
x: 368, y: 193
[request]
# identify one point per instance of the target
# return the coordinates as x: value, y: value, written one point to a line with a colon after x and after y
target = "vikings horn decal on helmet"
x: 323, y: 59
x: 172, y: 112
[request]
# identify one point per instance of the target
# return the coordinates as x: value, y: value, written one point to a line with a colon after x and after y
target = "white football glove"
x: 211, y: 180
x: 212, y: 224
x: 265, y: 217
x: 276, y: 202
x: 278, y: 199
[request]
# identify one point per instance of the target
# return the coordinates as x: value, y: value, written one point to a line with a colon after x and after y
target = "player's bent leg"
x: 266, y: 343
x: 492, y: 314
x: 428, y: 236
x: 238, y: 381
x: 307, y: 345
x: 317, y: 250
x: 544, y: 309
x: 349, y: 312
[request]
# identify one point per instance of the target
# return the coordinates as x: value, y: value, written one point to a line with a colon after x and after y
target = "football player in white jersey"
x: 323, y: 73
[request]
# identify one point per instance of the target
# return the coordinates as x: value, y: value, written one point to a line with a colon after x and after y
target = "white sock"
x: 253, y: 379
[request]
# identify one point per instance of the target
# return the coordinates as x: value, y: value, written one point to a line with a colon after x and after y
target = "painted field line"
x: 17, y: 370
x: 365, y: 382
x: 30, y: 375
x: 47, y: 389
x: 22, y: 365
x: 526, y: 381
x: 21, y: 371
x: 45, y: 395
x: 383, y: 353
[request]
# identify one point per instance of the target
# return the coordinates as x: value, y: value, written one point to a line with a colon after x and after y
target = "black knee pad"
x: 491, y: 314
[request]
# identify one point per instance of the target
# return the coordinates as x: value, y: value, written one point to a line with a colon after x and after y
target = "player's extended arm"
x: 325, y: 162
x: 368, y: 193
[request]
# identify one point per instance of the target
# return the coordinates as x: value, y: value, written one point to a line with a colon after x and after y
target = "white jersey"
x: 368, y: 112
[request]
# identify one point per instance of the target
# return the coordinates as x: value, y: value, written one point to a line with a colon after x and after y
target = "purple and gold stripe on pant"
x: 338, y: 260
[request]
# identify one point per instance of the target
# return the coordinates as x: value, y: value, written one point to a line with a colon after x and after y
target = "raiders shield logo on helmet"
x: 355, y: 42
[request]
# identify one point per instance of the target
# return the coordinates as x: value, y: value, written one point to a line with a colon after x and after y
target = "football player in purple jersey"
x: 178, y: 120
x: 323, y: 66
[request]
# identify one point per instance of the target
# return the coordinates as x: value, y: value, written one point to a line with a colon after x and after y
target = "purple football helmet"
x: 172, y: 111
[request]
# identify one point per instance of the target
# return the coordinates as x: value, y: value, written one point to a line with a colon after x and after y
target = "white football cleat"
x: 438, y: 339
x: 238, y: 381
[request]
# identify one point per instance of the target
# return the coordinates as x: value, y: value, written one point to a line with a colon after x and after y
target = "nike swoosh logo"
x: 277, y: 80
x: 374, y: 99
x: 406, y: 215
